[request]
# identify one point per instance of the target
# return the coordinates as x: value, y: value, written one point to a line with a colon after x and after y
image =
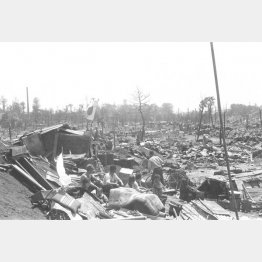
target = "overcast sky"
x: 179, y: 73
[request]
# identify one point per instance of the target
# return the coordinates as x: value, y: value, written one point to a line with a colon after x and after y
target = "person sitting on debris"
x: 95, y: 178
x: 133, y: 184
x: 86, y: 184
x: 101, y: 196
x: 111, y: 178
x: 155, y: 165
x: 88, y: 181
x: 138, y: 180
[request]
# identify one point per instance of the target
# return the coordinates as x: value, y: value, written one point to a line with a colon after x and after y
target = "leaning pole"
x: 222, y: 129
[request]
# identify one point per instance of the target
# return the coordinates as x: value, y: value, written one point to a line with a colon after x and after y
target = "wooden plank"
x: 35, y: 174
x: 203, y: 210
x: 215, y: 208
x: 28, y: 177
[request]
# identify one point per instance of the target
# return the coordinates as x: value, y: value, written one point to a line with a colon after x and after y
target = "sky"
x: 178, y: 73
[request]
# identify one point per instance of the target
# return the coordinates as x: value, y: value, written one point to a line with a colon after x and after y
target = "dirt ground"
x: 14, y: 200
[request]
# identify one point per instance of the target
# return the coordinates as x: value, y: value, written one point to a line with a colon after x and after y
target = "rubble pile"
x: 52, y: 163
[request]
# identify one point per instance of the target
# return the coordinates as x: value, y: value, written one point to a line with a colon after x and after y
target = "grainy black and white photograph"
x: 130, y: 131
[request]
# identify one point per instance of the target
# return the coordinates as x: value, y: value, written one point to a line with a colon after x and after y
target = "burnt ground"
x: 14, y: 200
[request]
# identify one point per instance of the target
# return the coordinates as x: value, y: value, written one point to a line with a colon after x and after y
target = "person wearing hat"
x: 155, y: 164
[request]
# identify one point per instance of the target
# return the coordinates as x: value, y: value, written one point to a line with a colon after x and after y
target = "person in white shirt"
x: 111, y: 180
x: 154, y: 161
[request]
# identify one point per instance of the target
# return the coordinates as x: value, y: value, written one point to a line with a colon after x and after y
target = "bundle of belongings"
x: 129, y: 198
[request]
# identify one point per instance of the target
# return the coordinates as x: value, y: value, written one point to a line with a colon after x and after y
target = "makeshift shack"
x: 51, y: 141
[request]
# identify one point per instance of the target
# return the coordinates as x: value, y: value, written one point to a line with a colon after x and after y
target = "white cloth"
x: 111, y: 179
x: 64, y: 179
x: 154, y: 161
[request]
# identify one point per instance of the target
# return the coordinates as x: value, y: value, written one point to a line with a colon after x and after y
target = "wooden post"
x: 223, y: 133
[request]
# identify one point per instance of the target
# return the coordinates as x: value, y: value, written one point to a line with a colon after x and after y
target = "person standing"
x: 155, y: 165
x: 157, y: 183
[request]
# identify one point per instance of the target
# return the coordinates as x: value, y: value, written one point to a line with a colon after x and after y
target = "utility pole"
x: 223, y: 133
x: 27, y: 103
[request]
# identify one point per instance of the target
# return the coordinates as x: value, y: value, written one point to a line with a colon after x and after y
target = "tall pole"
x: 27, y: 103
x: 222, y: 129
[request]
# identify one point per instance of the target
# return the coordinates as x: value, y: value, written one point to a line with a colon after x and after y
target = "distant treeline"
x: 15, y: 115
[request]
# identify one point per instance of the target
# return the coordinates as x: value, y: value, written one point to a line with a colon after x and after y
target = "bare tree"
x: 141, y: 101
